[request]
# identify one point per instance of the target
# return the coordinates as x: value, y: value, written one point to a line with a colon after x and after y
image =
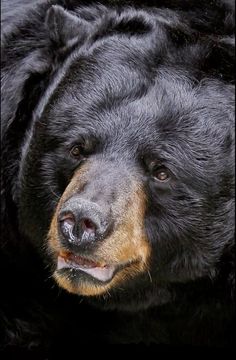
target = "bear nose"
x: 70, y: 228
x: 82, y: 223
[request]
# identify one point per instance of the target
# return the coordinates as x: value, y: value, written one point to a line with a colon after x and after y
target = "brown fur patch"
x: 127, y: 245
x: 65, y: 283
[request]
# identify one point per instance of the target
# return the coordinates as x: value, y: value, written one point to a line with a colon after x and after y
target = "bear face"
x: 126, y: 175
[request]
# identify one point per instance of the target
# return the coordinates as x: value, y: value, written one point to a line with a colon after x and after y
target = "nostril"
x: 67, y: 223
x: 88, y: 226
x: 68, y: 218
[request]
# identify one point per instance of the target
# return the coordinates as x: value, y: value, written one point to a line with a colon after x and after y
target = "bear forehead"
x: 117, y: 86
x: 99, y: 98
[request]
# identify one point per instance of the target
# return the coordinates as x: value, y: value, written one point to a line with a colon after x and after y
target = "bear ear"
x: 63, y: 26
x: 28, y: 58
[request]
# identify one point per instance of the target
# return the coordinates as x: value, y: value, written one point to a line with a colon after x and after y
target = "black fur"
x: 148, y: 83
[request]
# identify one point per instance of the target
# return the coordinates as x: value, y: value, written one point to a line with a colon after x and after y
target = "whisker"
x: 57, y: 196
x: 149, y: 274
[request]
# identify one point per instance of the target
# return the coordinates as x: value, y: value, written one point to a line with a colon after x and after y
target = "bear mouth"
x: 99, y: 271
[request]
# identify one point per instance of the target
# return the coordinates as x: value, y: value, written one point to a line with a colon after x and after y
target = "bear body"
x: 118, y: 173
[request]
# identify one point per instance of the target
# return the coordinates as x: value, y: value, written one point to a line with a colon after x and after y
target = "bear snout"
x: 82, y: 222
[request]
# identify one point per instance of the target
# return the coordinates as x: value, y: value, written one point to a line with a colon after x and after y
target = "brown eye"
x: 161, y: 174
x: 76, y: 151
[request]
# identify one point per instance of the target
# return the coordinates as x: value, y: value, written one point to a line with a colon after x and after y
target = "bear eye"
x: 161, y: 174
x: 76, y: 151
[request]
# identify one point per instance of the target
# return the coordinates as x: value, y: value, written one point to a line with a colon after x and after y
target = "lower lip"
x: 103, y: 274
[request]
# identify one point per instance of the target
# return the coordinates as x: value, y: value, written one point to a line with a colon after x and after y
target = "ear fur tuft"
x: 62, y: 25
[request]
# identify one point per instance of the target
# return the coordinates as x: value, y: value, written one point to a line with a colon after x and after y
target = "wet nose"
x: 82, y: 222
x: 74, y: 229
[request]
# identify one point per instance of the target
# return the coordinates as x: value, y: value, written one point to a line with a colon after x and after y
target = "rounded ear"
x: 63, y: 27
x: 30, y: 51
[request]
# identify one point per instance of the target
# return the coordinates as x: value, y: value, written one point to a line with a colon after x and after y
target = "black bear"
x: 118, y: 173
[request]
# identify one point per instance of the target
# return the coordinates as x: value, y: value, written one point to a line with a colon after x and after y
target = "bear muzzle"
x: 95, y: 244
